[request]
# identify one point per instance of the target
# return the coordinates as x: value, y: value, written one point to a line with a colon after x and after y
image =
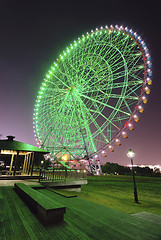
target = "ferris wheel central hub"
x: 70, y: 89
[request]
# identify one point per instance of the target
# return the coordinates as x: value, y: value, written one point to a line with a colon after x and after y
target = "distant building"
x: 154, y: 167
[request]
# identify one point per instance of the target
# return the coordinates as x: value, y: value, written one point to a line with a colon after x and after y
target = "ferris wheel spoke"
x: 117, y: 85
x: 126, y: 104
x: 136, y: 78
x: 107, y: 119
x: 133, y: 65
x: 85, y: 125
x: 97, y: 45
x: 66, y: 74
x: 60, y: 107
x: 102, y: 103
x: 60, y: 80
x: 56, y: 90
x: 118, y: 75
x: 96, y: 61
x: 87, y: 110
x: 72, y: 61
x: 135, y: 72
x: 116, y: 66
x: 114, y: 58
x: 122, y: 63
x: 118, y: 96
x: 132, y: 90
x: 125, y: 45
x: 92, y: 69
x: 121, y: 73
x: 95, y: 82
x: 121, y: 84
x: 127, y: 50
x: 89, y: 83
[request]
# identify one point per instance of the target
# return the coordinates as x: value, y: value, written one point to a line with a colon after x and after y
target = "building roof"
x: 10, y: 144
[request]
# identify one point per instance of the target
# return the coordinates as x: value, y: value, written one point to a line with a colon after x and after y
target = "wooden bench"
x: 46, y: 209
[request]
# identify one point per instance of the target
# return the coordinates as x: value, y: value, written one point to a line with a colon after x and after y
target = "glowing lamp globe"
x: 130, y: 153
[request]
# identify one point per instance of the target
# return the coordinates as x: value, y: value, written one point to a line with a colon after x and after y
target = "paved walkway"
x: 149, y: 217
x: 5, y: 183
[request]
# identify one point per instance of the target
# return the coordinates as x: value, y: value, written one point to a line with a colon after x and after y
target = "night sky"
x: 33, y: 34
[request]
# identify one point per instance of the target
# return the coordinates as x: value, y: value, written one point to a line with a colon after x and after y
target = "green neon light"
x: 97, y: 80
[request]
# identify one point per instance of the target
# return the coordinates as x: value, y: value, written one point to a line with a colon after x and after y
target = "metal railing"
x: 60, y: 175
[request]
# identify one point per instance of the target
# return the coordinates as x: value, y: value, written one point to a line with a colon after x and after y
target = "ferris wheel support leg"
x: 82, y: 136
x: 90, y: 166
x: 100, y: 169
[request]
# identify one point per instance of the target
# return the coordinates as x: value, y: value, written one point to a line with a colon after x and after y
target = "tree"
x: 146, y: 171
x: 38, y: 157
x: 115, y: 168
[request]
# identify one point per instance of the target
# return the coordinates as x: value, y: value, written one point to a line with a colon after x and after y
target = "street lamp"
x: 130, y: 155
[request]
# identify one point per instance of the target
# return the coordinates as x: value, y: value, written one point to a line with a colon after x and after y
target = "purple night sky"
x: 33, y: 34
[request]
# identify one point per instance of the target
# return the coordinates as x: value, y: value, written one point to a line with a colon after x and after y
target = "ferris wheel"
x: 92, y: 94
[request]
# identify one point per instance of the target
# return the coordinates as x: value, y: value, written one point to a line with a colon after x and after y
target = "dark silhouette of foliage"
x: 114, y: 168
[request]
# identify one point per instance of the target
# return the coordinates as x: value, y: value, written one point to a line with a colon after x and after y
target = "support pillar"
x: 29, y: 163
x: 15, y: 163
x: 24, y: 163
x: 11, y: 163
x: 32, y: 163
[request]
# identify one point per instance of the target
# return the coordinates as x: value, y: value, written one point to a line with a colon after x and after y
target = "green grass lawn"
x: 117, y: 192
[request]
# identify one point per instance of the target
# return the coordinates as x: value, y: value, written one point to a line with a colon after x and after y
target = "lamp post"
x: 130, y: 155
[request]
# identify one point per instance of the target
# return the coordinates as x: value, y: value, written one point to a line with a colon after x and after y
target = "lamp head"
x: 130, y: 153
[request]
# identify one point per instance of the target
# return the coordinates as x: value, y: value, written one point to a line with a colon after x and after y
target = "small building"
x: 15, y: 148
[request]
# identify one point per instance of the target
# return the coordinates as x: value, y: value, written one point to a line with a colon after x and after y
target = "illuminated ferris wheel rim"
x: 144, y: 89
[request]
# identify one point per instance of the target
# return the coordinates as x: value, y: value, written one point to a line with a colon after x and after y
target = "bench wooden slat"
x: 47, y: 210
